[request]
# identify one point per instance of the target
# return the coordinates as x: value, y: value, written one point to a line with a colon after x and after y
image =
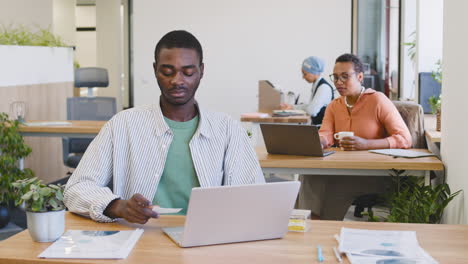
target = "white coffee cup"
x: 343, y: 134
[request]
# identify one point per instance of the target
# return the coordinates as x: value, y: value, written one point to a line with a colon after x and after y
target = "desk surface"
x: 430, y: 127
x: 289, y: 119
x: 363, y: 160
x: 82, y: 127
x: 446, y: 243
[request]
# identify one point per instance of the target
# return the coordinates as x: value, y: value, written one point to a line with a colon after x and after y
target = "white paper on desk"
x: 403, y: 153
x: 83, y: 244
x: 383, y: 245
x: 161, y: 210
x: 52, y: 123
x: 359, y: 259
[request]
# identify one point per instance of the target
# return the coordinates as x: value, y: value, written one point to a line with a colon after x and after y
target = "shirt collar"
x: 314, y: 85
x: 161, y: 126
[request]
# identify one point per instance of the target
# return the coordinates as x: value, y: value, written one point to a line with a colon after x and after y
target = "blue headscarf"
x: 313, y: 65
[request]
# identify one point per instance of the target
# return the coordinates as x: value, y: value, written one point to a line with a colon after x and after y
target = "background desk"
x: 289, y: 119
x: 446, y: 243
x: 76, y: 129
x: 46, y: 159
x: 359, y: 163
x: 257, y: 137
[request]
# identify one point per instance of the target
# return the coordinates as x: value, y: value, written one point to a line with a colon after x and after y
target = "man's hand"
x: 286, y: 107
x: 137, y: 209
x: 354, y: 143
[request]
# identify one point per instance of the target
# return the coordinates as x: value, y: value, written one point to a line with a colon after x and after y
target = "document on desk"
x: 161, y: 210
x: 402, y: 153
x: 82, y: 244
x: 51, y: 123
x: 377, y: 246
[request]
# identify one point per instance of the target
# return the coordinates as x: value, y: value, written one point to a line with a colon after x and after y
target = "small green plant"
x: 12, y: 149
x: 39, y: 197
x: 435, y: 103
x: 437, y: 73
x: 249, y: 133
x: 412, y: 47
x: 412, y: 202
x: 23, y: 36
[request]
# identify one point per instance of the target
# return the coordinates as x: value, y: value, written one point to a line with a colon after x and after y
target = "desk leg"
x: 296, y: 177
x: 427, y: 178
x: 21, y: 164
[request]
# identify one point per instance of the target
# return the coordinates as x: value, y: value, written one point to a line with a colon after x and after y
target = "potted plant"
x: 12, y: 150
x: 45, y: 210
x: 411, y: 201
x: 435, y: 103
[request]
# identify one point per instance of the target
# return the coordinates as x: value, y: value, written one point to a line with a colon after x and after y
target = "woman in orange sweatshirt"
x: 372, y: 117
x: 376, y: 124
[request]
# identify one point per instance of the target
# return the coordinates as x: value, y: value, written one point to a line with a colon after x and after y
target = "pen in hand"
x: 319, y: 253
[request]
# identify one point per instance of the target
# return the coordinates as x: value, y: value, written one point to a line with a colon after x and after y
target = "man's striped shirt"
x: 132, y: 148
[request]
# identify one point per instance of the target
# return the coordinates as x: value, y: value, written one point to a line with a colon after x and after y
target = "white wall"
x: 407, y: 70
x: 429, y: 34
x: 29, y: 13
x: 109, y: 47
x: 429, y: 27
x: 64, y: 20
x: 86, y: 40
x: 454, y: 108
x: 243, y: 41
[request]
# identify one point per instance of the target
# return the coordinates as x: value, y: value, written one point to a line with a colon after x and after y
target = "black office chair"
x: 86, y: 108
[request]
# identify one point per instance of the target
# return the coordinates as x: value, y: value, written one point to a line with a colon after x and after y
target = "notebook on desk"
x: 229, y: 214
x: 292, y: 139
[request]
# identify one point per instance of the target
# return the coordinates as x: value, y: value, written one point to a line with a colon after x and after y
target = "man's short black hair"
x: 178, y: 39
x: 357, y: 63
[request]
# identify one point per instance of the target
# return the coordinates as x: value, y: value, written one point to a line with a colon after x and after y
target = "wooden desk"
x: 359, y: 163
x: 257, y: 137
x: 87, y: 129
x: 289, y: 119
x: 430, y: 129
x: 445, y: 243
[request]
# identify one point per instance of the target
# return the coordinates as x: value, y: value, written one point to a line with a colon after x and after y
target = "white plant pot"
x: 46, y: 226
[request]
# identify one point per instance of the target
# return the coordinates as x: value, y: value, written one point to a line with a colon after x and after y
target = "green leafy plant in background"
x: 12, y: 149
x: 411, y: 201
x: 435, y: 103
x: 23, y: 36
x: 411, y: 47
x: 39, y: 197
x: 437, y: 73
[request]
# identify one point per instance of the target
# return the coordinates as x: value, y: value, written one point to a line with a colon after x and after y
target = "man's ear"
x: 155, y: 68
x: 202, y: 69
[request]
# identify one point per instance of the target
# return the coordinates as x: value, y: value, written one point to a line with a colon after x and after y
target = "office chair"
x: 86, y: 108
x: 413, y: 116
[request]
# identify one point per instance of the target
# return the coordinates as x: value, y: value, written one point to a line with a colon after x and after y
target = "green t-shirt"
x: 179, y: 176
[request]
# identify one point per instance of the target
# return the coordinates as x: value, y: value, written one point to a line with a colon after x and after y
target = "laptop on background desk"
x: 303, y: 140
x: 229, y: 214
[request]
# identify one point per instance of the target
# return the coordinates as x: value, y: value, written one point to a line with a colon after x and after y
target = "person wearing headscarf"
x: 321, y: 93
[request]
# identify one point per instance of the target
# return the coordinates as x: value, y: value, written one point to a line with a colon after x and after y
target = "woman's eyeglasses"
x: 342, y: 77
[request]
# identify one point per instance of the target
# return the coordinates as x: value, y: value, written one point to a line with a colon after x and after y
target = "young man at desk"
x: 156, y: 154
x: 376, y: 124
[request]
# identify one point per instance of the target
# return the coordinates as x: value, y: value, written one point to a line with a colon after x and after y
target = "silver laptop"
x: 293, y: 139
x: 228, y: 214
